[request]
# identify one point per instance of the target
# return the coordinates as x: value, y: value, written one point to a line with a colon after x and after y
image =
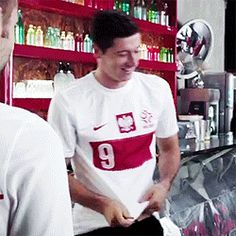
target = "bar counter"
x: 189, y: 147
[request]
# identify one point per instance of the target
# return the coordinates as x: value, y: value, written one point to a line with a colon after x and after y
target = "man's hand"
x: 156, y: 196
x: 115, y: 213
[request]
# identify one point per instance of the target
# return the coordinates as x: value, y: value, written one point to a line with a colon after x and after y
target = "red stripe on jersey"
x: 121, y: 154
x: 1, y: 196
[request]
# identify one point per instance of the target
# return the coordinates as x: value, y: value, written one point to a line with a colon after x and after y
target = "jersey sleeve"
x: 167, y: 123
x: 37, y: 183
x: 60, y: 119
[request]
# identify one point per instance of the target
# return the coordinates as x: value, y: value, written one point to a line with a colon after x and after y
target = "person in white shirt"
x: 109, y: 122
x: 34, y: 193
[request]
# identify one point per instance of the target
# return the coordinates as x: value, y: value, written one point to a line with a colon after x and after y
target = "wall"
x: 212, y: 11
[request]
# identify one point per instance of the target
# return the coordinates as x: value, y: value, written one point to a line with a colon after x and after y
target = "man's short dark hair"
x: 108, y: 25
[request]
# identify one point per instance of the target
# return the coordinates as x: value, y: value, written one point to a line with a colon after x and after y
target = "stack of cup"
x: 202, y: 130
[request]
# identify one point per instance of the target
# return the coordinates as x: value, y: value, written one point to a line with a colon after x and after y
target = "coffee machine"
x: 204, y: 102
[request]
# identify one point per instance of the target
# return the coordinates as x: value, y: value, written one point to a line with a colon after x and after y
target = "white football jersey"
x: 110, y: 135
x: 34, y: 193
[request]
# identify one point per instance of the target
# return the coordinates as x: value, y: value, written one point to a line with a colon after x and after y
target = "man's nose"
x: 133, y: 58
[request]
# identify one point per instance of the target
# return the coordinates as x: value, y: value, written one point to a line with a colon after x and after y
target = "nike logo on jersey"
x: 98, y: 127
x: 1, y: 196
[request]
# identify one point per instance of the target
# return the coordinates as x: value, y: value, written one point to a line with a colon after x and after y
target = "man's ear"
x: 97, y: 51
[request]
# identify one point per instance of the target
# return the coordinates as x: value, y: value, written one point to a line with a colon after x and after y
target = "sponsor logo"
x: 147, y: 119
x: 95, y: 128
x: 126, y: 122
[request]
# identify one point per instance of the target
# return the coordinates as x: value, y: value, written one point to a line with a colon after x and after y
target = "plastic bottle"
x: 39, y: 37
x: 63, y: 40
x: 19, y: 29
x: 30, y: 37
x: 60, y: 78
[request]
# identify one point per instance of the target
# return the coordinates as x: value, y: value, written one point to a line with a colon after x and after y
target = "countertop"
x: 191, y: 147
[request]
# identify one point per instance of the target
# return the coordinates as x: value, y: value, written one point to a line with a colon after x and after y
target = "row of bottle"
x: 155, y: 53
x: 63, y: 77
x: 155, y: 11
x: 38, y: 88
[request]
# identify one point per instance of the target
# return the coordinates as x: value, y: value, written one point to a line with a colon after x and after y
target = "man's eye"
x: 122, y: 54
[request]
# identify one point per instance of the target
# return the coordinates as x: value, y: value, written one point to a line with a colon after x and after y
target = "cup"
x: 200, y: 130
x: 207, y: 130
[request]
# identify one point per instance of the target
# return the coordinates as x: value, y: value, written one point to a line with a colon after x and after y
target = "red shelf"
x: 32, y: 104
x: 52, y: 54
x: 70, y: 9
x: 146, y: 26
x: 58, y: 7
x: 72, y: 56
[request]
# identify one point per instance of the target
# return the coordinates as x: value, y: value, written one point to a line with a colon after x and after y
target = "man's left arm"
x: 168, y: 164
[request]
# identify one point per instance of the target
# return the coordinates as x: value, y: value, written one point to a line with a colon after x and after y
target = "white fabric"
x: 33, y: 181
x: 97, y: 124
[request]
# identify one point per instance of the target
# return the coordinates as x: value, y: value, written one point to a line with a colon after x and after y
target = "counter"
x: 191, y: 147
x: 202, y: 197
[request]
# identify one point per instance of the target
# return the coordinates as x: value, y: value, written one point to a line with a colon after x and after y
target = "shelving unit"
x: 62, y: 8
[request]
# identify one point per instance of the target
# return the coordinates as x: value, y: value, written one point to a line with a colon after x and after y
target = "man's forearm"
x: 82, y: 195
x: 168, y: 161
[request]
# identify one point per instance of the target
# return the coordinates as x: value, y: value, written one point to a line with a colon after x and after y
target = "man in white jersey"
x: 109, y: 122
x: 34, y: 193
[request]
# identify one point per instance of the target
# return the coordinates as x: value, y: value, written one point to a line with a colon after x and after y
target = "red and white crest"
x: 126, y: 122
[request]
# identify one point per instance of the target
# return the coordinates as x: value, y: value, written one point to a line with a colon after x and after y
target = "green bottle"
x: 19, y: 30
x: 125, y: 6
x: 153, y: 12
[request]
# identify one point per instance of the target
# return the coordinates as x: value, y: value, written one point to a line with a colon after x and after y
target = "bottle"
x: 87, y: 43
x: 39, y: 37
x: 69, y: 74
x: 125, y: 6
x: 60, y: 78
x: 19, y: 29
x: 30, y: 37
x: 117, y: 5
x: 63, y: 40
x: 153, y: 12
x: 138, y: 9
x: 144, y: 10
x: 166, y: 14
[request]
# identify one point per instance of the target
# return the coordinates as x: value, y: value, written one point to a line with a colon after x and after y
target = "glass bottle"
x: 19, y: 29
x: 153, y: 12
x: 137, y: 9
x: 60, y: 78
x: 125, y: 6
x: 144, y: 10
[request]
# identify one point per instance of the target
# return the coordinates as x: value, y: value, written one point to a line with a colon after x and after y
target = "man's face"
x: 7, y: 39
x: 119, y: 61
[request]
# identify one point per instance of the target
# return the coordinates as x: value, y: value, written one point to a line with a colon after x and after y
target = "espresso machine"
x: 204, y: 102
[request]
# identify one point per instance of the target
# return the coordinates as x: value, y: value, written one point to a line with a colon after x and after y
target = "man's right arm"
x: 115, y: 213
